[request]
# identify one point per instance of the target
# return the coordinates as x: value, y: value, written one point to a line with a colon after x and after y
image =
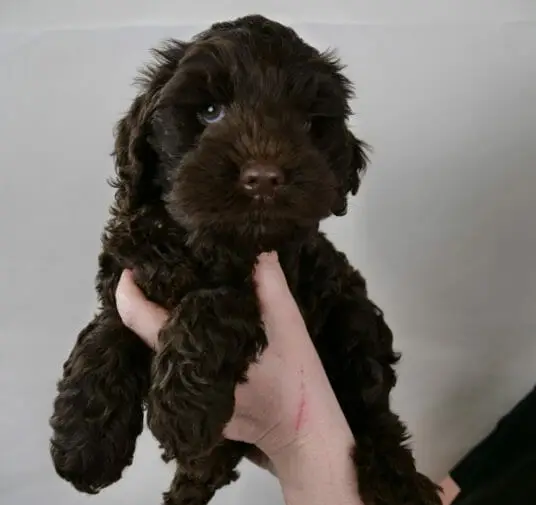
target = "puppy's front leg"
x: 98, y: 410
x: 205, y: 351
x: 358, y: 352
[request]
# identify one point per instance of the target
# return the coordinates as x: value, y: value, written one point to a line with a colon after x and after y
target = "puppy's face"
x: 243, y: 131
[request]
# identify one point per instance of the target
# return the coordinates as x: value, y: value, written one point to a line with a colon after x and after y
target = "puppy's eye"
x: 212, y: 113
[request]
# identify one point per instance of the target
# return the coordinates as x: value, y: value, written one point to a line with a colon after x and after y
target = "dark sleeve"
x: 513, y: 440
x: 516, y: 485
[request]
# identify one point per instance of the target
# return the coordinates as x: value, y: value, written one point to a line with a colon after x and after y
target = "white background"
x: 444, y: 227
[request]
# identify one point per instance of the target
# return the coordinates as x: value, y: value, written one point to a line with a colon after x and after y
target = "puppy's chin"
x: 259, y: 226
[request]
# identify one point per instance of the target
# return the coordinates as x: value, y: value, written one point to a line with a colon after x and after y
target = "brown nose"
x: 261, y: 180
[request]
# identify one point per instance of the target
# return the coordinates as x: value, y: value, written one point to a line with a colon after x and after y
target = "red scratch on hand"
x: 301, y: 409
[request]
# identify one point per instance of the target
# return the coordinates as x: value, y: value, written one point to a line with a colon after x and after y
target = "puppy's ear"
x: 135, y: 159
x: 354, y: 167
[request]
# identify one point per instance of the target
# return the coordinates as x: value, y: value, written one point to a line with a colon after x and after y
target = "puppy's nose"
x: 261, y: 180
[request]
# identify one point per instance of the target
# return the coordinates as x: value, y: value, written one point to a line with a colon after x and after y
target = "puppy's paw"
x: 426, y: 491
x: 396, y: 489
x: 94, y: 437
x: 196, y: 481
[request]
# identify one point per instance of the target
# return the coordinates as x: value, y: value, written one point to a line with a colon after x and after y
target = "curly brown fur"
x: 186, y: 225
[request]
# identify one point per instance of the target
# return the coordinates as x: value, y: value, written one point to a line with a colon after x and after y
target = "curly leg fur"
x: 98, y: 410
x: 198, y: 485
x: 360, y: 339
x: 205, y: 350
x: 385, y: 465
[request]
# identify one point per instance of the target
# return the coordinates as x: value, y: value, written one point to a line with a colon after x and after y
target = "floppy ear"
x: 354, y: 167
x: 135, y: 159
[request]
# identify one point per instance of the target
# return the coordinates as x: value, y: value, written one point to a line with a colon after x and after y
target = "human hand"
x: 287, y: 399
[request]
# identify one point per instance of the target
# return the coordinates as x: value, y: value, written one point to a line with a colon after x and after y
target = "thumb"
x: 142, y: 316
x: 270, y: 279
x: 280, y: 312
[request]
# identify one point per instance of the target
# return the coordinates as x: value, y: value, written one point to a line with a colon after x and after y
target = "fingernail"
x: 270, y: 257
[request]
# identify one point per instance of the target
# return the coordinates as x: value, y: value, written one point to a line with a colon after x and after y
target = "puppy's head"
x: 243, y: 130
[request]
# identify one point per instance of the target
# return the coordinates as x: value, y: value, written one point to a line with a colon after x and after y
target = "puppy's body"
x: 237, y: 144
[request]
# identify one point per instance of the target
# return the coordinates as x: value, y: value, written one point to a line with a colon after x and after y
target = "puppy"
x: 236, y: 144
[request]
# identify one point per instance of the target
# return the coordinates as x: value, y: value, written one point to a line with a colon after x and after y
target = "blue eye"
x: 212, y: 113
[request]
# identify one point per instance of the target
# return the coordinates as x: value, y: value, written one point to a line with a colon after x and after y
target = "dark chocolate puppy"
x: 237, y: 143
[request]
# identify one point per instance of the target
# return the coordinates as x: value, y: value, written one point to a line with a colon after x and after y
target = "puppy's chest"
x: 166, y: 271
x: 168, y: 282
x: 168, y: 286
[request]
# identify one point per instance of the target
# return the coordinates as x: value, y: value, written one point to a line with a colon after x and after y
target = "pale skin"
x: 287, y: 409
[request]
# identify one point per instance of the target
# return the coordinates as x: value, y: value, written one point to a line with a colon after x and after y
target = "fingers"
x: 450, y: 490
x: 143, y: 317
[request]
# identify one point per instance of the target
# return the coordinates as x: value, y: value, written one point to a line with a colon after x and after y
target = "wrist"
x: 312, y: 454
x: 318, y: 465
x: 318, y: 469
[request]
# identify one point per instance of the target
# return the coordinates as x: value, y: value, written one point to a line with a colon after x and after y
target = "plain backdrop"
x: 444, y: 226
